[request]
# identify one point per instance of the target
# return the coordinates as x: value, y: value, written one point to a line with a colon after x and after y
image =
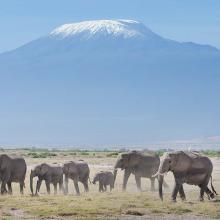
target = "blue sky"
x: 24, y: 20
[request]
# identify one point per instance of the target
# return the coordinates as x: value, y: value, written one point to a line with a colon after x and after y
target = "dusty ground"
x: 115, y: 205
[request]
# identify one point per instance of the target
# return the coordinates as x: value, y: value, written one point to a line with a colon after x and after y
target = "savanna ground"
x: 109, y: 205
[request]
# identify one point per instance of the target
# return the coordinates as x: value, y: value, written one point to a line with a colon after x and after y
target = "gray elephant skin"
x: 187, y: 167
x: 12, y: 170
x: 104, y: 178
x: 50, y: 174
x: 78, y: 171
x: 139, y: 164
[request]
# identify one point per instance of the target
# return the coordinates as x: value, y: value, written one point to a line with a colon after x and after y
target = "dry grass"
x: 114, y: 205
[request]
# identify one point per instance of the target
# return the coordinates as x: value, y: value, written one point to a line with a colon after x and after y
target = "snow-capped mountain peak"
x: 115, y: 28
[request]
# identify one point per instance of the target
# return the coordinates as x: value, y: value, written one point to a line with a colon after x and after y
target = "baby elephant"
x: 50, y: 174
x: 104, y: 178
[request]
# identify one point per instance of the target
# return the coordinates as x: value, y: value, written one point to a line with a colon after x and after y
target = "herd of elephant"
x: 187, y: 167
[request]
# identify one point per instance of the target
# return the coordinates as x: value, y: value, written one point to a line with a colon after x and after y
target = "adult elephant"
x: 50, y: 174
x: 78, y: 171
x: 12, y: 170
x: 187, y: 167
x: 139, y: 164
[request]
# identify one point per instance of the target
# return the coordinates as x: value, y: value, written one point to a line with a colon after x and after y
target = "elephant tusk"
x: 158, y: 174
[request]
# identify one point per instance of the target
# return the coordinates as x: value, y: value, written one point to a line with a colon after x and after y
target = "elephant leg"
x: 55, y: 188
x: 76, y: 186
x: 22, y: 187
x: 111, y: 186
x: 100, y: 187
x: 182, y: 193
x: 201, y: 197
x: 86, y: 185
x: 38, y: 186
x: 202, y: 191
x: 47, y: 182
x: 209, y: 193
x: 138, y: 182
x: 127, y: 173
x: 105, y: 188
x: 175, y: 191
x: 61, y: 189
x: 152, y: 187
x: 5, y: 179
x: 9, y: 188
x: 66, y: 190
x: 3, y: 187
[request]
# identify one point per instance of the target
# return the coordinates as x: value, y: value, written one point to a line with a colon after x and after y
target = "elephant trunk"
x: 31, y: 182
x: 94, y: 180
x: 115, y: 174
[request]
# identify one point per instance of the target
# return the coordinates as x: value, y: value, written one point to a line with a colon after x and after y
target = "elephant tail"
x: 213, y: 189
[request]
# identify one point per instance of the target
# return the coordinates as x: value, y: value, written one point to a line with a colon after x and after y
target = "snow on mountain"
x: 115, y: 28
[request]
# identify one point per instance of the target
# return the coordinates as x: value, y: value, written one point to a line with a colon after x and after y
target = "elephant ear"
x: 125, y: 159
x: 134, y: 158
x: 4, y: 161
x: 101, y: 176
x: 181, y: 161
x: 72, y: 169
x: 43, y: 169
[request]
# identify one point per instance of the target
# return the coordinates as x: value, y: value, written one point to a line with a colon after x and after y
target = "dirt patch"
x: 17, y: 214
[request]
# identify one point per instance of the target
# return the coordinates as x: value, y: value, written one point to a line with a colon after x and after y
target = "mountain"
x: 108, y: 82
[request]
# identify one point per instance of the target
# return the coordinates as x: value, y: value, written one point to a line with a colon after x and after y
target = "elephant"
x: 104, y: 178
x: 78, y: 171
x: 51, y: 175
x: 12, y: 170
x: 187, y: 167
x: 139, y: 164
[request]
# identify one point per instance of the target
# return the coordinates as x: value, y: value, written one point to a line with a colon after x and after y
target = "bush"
x: 211, y: 153
x: 41, y: 154
x: 112, y: 154
x: 160, y: 152
x: 84, y: 153
x: 73, y: 153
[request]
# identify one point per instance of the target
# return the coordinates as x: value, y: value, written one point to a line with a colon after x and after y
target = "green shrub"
x: 73, y: 153
x: 84, y: 153
x: 41, y: 154
x: 211, y: 153
x: 160, y: 152
x: 112, y: 154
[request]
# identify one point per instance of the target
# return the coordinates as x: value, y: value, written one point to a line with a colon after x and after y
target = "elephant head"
x: 127, y: 160
x: 39, y: 170
x: 4, y: 161
x: 100, y: 176
x: 65, y: 169
x: 96, y: 178
x: 70, y: 168
x: 174, y: 161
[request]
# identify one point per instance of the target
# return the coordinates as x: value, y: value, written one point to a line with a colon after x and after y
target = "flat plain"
x: 108, y: 205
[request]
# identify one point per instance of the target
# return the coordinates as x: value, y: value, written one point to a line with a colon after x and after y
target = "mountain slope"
x: 108, y: 82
